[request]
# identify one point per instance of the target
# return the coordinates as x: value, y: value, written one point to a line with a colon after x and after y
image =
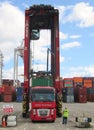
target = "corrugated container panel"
x: 68, y: 85
x: 7, y: 90
x: 1, y: 97
x: 68, y: 82
x: 90, y: 90
x: 87, y: 83
x: 19, y: 98
x: 89, y: 97
x: 81, y: 98
x: 42, y: 81
x: 68, y: 79
x: 77, y: 79
x: 68, y: 91
x: 7, y: 82
x: 93, y: 82
x: 80, y: 91
x: 2, y: 89
x: 7, y: 98
x: 92, y: 97
x: 68, y: 98
x: 19, y: 90
x: 78, y: 84
x: 61, y: 83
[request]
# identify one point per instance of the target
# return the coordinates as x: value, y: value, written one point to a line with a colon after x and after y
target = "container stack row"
x: 11, y: 93
x: 83, y: 88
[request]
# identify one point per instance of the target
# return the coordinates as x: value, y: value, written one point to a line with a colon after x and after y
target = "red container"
x: 7, y: 90
x: 7, y: 98
x: 80, y: 94
x: 13, y: 93
x: 82, y: 98
x: 80, y: 91
x: 90, y: 98
x: 7, y: 82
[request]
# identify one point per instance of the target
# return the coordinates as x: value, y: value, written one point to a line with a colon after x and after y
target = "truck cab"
x: 43, y: 104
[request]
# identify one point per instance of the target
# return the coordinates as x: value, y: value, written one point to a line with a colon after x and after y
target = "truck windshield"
x: 39, y: 95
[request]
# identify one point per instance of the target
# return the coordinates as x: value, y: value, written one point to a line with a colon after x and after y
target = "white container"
x: 11, y: 118
x: 12, y: 123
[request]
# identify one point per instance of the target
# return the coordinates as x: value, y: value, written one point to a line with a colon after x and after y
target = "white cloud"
x: 9, y: 73
x: 11, y: 29
x: 70, y: 45
x: 61, y: 11
x: 63, y: 36
x: 80, y: 71
x: 82, y: 13
x: 39, y: 47
x: 85, y: 13
x: 62, y: 59
x: 75, y: 36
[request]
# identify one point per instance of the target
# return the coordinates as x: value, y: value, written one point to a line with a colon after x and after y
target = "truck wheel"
x: 76, y: 119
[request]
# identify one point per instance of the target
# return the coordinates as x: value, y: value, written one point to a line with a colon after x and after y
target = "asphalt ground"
x: 75, y: 110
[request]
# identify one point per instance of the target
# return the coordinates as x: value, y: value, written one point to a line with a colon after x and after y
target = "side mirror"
x: 35, y: 34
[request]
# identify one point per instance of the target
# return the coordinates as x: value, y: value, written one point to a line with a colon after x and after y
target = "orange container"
x: 88, y: 83
x: 78, y: 79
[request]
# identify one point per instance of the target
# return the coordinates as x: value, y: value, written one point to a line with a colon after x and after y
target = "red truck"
x: 43, y: 104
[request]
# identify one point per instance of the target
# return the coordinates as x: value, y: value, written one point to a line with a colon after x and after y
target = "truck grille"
x: 43, y: 112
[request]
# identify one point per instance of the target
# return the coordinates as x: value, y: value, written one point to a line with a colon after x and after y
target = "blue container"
x: 19, y: 90
x: 90, y: 90
x: 68, y: 91
x: 68, y: 98
x: 19, y: 98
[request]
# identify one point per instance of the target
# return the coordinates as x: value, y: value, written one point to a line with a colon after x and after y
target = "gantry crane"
x: 39, y: 17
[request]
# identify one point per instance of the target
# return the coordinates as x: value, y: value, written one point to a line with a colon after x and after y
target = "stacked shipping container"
x: 79, y: 85
x: 87, y: 82
x: 80, y: 94
x: 68, y: 95
x: 68, y: 90
x: 19, y: 94
x: 77, y: 81
x: 1, y: 93
x: 79, y: 90
x: 68, y: 82
x: 7, y: 93
x: 42, y: 81
x: 90, y: 94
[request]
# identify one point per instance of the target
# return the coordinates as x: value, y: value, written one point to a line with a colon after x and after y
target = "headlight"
x: 34, y: 111
x: 52, y: 111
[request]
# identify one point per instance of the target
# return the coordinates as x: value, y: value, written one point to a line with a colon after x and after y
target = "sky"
x: 76, y: 29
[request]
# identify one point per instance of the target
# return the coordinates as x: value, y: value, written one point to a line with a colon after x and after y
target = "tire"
x: 76, y: 119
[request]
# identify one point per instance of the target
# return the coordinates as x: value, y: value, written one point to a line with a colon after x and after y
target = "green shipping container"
x: 42, y: 81
x: 68, y: 85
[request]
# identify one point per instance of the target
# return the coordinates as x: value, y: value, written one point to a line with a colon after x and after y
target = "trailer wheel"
x: 76, y: 119
x: 89, y: 120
